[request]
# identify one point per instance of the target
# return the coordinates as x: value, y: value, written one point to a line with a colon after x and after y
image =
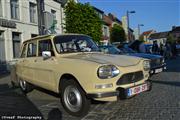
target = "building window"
x: 100, y: 16
x: 32, y: 12
x: 54, y: 13
x: 14, y: 9
x: 105, y: 31
x: 16, y: 44
x: 1, y: 10
x: 2, y: 46
x: 33, y: 35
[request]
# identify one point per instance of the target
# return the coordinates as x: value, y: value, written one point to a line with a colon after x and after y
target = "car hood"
x: 119, y: 60
x: 144, y: 55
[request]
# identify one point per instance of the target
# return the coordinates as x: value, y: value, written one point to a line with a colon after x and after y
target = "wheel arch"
x: 68, y: 76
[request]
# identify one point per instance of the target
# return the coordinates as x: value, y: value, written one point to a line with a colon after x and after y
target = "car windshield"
x: 74, y: 43
x: 109, y: 49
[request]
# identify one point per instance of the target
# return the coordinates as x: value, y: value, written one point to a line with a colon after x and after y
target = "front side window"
x: 14, y: 9
x: 45, y: 45
x: 23, y: 54
x: 16, y: 44
x: 32, y: 12
x: 74, y: 43
x: 32, y: 50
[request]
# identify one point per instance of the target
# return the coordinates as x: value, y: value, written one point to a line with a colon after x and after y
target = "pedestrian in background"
x: 161, y: 49
x: 155, y: 48
x: 174, y: 50
x: 142, y: 48
x: 168, y: 52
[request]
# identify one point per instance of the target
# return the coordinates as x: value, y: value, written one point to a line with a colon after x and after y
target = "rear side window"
x: 23, y: 54
x: 45, y: 45
x: 32, y: 48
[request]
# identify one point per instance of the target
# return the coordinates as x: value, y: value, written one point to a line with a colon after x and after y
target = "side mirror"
x: 46, y: 54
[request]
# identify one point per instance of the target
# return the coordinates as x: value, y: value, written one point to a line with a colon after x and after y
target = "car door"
x: 20, y: 67
x: 44, y: 72
x: 26, y: 64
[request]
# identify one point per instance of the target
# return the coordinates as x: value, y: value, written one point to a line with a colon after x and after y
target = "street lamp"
x: 139, y: 25
x: 127, y: 15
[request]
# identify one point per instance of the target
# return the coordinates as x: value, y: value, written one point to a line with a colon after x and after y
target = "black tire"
x: 25, y: 86
x: 74, y: 99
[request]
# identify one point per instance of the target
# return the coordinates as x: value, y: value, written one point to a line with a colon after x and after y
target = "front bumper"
x: 157, y: 69
x: 122, y: 93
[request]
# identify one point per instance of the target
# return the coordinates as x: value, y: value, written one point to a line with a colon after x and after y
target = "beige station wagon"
x: 72, y: 66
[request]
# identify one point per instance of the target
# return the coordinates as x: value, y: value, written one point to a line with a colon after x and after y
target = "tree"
x: 141, y: 38
x: 117, y: 34
x: 170, y: 38
x: 82, y: 18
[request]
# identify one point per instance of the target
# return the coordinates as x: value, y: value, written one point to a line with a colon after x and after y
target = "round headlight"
x: 107, y: 71
x: 146, y: 65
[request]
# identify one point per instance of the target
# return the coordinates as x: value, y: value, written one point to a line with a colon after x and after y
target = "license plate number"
x: 137, y: 89
x: 158, y: 70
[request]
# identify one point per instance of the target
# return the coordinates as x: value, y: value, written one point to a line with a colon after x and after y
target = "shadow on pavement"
x: 172, y: 83
x: 173, y: 65
x: 15, y: 104
x: 55, y: 114
x: 4, y: 75
x: 47, y: 92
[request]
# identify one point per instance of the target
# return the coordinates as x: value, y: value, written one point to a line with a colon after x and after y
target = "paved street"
x: 162, y: 103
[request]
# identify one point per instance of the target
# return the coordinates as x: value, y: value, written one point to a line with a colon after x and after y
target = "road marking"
x: 50, y: 105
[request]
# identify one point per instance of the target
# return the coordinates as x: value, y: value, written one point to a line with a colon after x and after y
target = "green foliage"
x: 82, y: 19
x: 117, y: 34
x: 170, y: 38
x: 141, y: 38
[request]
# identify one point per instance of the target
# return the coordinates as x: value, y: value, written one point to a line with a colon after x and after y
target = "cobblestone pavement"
x: 161, y: 103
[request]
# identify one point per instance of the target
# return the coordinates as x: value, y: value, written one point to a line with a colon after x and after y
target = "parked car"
x: 157, y: 62
x: 135, y: 45
x: 72, y: 66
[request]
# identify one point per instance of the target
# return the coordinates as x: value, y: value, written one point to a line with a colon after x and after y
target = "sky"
x: 159, y: 15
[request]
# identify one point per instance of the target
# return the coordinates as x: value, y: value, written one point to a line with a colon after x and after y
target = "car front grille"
x: 156, y: 62
x: 130, y: 78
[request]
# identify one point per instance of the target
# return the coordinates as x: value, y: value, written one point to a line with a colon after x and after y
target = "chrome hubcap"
x: 72, y: 99
x: 23, y: 84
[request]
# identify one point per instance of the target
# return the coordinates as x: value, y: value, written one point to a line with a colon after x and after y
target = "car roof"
x: 53, y: 35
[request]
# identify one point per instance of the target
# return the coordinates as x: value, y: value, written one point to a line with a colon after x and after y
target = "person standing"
x: 142, y: 48
x: 168, y: 52
x: 174, y: 50
x: 155, y: 48
x: 161, y: 49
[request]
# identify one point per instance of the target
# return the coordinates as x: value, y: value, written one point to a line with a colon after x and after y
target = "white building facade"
x: 19, y: 22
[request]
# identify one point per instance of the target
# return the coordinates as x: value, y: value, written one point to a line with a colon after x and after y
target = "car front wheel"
x: 74, y: 99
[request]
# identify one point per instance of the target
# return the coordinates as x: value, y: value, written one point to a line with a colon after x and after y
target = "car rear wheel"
x: 25, y: 86
x: 74, y: 99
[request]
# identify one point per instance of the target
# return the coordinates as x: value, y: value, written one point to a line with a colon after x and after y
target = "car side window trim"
x: 24, y: 51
